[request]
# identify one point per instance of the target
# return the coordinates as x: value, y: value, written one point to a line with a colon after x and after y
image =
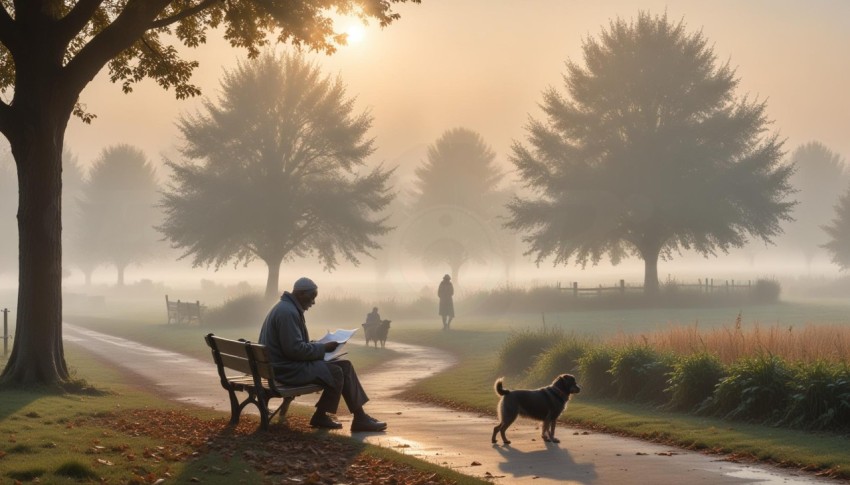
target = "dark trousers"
x: 346, y: 385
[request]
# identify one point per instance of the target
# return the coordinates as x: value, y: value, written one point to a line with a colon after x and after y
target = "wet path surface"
x: 450, y: 438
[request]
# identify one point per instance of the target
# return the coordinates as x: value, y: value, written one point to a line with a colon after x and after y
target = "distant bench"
x: 183, y: 311
x: 256, y: 377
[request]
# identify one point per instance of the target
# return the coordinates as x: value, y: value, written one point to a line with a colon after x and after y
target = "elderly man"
x: 299, y: 361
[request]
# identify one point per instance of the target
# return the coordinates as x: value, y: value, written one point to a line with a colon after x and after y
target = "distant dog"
x: 544, y: 404
x: 377, y: 332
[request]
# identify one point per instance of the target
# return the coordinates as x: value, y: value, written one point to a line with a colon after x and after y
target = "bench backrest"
x: 242, y: 356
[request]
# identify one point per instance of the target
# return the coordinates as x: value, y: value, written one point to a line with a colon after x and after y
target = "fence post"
x: 575, y: 289
x: 622, y: 287
x: 5, y: 331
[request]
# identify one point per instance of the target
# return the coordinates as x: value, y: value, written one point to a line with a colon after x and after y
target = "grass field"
x: 121, y: 434
x: 477, y: 340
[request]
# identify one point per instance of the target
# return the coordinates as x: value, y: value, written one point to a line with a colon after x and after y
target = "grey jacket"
x: 297, y: 360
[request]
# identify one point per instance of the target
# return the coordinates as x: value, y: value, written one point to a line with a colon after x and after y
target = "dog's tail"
x: 499, y: 389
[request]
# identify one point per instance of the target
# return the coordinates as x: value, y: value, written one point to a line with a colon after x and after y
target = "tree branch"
x: 6, y: 121
x: 184, y: 14
x: 128, y: 27
x: 77, y: 18
x: 7, y: 30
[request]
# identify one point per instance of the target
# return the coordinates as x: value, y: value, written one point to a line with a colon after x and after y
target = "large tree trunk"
x: 121, y: 268
x: 38, y: 356
x: 650, y: 272
x: 272, y: 282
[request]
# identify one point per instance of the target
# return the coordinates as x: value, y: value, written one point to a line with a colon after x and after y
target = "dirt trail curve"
x: 456, y: 439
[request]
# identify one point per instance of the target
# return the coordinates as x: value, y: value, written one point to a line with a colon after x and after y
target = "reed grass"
x: 808, y: 343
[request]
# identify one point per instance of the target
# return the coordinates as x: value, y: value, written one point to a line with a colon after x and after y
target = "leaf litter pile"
x: 289, y: 452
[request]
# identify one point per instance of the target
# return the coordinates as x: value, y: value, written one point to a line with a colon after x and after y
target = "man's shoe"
x: 324, y: 421
x: 367, y: 424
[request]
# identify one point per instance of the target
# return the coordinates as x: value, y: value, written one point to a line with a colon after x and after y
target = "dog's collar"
x: 560, y: 393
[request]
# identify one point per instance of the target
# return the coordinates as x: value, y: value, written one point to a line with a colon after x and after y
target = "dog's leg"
x: 544, y: 430
x: 508, y: 417
x: 552, y: 431
x: 495, y: 430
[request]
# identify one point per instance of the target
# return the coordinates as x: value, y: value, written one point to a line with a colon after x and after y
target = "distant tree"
x: 270, y: 172
x: 50, y: 51
x: 456, y: 199
x: 73, y: 184
x: 819, y: 179
x: 838, y: 230
x: 649, y: 154
x: 118, y: 210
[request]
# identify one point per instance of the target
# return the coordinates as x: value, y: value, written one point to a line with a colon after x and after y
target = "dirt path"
x: 456, y: 439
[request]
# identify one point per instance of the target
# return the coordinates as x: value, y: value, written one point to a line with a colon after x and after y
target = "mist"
x: 484, y: 67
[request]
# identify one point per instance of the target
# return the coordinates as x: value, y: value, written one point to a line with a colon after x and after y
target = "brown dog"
x: 544, y: 404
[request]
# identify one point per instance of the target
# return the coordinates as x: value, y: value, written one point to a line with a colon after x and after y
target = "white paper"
x: 337, y: 335
x: 340, y: 336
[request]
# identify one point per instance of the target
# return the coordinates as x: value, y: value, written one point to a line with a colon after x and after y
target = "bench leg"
x: 235, y: 407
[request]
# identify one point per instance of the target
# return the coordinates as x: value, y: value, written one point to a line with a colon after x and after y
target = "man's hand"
x: 331, y: 346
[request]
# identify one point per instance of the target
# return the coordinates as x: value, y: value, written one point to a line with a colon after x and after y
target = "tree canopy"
x: 455, y: 201
x: 648, y: 153
x: 819, y: 180
x: 273, y: 172
x: 117, y: 211
x: 838, y: 230
x: 50, y: 50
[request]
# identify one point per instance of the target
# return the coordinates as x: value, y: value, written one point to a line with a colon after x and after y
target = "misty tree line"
x: 646, y: 152
x: 648, y: 164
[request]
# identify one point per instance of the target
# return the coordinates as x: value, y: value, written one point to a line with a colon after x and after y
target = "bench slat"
x: 239, y: 364
x: 232, y: 347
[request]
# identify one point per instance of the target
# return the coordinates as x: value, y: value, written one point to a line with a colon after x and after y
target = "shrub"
x: 562, y: 357
x: 693, y: 380
x: 75, y: 469
x: 242, y: 311
x: 521, y: 348
x: 766, y: 291
x: 820, y: 397
x: 593, y: 369
x: 26, y: 475
x: 756, y: 389
x: 640, y: 373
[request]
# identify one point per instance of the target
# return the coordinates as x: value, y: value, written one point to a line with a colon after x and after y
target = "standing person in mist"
x: 298, y: 361
x: 447, y: 307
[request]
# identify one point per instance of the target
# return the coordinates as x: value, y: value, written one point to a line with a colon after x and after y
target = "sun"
x: 356, y: 33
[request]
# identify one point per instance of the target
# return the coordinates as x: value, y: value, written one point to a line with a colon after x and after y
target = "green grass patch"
x: 469, y: 385
x: 73, y: 438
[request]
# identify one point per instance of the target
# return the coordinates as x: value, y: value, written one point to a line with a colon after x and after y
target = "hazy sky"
x: 483, y: 64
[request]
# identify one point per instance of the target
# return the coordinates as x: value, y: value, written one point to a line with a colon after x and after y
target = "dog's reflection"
x: 553, y: 462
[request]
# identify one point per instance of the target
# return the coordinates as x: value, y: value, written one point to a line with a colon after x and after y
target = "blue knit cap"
x: 304, y: 284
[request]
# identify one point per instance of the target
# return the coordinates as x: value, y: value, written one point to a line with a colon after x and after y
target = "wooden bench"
x: 183, y: 311
x: 254, y: 375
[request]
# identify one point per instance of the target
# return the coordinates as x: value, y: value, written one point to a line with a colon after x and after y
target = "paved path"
x: 456, y: 439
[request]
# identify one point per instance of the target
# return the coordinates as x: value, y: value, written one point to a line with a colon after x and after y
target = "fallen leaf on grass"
x: 104, y: 462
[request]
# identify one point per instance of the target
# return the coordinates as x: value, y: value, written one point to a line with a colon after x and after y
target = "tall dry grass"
x: 730, y: 343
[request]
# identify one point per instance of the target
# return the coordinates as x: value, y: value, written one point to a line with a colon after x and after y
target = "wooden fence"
x: 704, y: 286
